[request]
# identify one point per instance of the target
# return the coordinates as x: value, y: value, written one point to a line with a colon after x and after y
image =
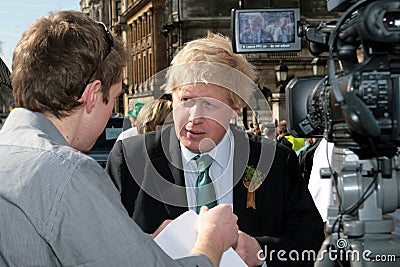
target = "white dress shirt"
x: 321, y: 189
x: 127, y: 133
x: 221, y: 171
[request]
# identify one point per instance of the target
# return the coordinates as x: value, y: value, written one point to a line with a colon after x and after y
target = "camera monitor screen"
x: 265, y: 30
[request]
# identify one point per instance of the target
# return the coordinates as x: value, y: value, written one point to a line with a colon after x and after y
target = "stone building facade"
x: 155, y: 29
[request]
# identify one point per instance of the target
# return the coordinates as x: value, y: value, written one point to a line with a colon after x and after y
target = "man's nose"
x: 196, y: 113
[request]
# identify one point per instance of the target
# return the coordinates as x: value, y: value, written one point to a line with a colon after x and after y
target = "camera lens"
x: 391, y: 20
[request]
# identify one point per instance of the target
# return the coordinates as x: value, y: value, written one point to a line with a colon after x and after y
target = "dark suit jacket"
x: 247, y: 35
x: 285, y: 216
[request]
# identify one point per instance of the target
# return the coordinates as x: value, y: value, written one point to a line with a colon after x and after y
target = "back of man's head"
x: 57, y: 56
x: 281, y: 128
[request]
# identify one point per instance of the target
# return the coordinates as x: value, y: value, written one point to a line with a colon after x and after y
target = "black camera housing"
x: 359, y: 107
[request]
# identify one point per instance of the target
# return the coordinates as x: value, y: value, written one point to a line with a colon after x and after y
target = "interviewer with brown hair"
x: 58, y: 207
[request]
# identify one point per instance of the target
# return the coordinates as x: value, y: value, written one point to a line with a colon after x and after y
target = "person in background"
x: 154, y: 116
x: 250, y: 126
x: 284, y: 137
x: 58, y: 207
x: 269, y: 132
x: 256, y: 34
x: 256, y: 129
x: 281, y: 134
x: 133, y: 113
x: 284, y: 31
x: 201, y: 160
x: 306, y: 157
x: 262, y: 127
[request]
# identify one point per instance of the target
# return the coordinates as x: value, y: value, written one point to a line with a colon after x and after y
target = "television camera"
x: 358, y: 109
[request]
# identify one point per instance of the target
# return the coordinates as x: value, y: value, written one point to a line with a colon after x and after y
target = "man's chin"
x: 192, y: 146
x: 202, y: 146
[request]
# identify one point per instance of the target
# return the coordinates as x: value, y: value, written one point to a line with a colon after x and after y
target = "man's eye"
x: 188, y: 102
x: 207, y: 104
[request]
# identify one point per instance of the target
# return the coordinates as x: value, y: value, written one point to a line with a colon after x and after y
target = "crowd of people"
x: 60, y: 208
x: 255, y: 30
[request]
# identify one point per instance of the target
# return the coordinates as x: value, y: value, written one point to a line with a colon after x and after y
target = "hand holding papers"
x: 178, y: 238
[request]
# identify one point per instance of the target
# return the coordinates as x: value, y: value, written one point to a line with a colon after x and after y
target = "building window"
x: 207, y: 8
x: 118, y: 8
x: 150, y: 23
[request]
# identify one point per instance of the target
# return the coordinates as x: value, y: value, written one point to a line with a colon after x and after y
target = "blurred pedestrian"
x: 133, y: 113
x: 154, y: 116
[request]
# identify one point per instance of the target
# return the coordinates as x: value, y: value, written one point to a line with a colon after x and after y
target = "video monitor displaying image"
x: 265, y: 30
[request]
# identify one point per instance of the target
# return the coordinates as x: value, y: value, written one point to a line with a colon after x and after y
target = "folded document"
x: 179, y: 237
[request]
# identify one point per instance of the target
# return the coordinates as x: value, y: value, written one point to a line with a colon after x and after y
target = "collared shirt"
x: 221, y: 171
x: 127, y: 133
x: 59, y: 207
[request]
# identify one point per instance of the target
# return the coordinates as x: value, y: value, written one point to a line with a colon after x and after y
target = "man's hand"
x: 247, y: 248
x: 160, y: 228
x: 217, y: 231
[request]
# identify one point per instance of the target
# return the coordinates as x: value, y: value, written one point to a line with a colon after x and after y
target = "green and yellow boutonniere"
x: 252, y: 180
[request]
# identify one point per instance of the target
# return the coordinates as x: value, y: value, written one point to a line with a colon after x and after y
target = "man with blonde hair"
x: 203, y: 161
x: 58, y: 207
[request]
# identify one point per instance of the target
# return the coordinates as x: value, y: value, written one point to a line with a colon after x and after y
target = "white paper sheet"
x: 178, y: 238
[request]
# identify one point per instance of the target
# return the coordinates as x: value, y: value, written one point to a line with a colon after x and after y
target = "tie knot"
x: 203, y: 161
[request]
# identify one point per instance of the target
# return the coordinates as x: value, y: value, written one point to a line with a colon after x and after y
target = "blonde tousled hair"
x: 212, y: 60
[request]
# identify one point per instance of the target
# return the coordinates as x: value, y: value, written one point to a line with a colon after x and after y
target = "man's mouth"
x: 191, y: 133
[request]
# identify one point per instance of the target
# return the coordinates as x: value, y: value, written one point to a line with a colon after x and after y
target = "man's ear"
x: 90, y: 95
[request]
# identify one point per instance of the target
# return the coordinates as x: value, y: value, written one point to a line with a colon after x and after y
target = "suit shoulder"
x: 280, y: 151
x: 283, y: 148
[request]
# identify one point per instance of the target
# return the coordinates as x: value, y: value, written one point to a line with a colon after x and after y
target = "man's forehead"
x: 210, y: 73
x: 210, y: 91
x: 200, y: 87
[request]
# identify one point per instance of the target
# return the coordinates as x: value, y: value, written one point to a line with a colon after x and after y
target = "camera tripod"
x: 364, y: 190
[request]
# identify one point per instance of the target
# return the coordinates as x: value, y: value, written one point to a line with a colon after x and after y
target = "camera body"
x: 358, y: 107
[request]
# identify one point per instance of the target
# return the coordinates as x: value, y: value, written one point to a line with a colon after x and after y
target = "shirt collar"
x: 221, y: 153
x: 21, y: 117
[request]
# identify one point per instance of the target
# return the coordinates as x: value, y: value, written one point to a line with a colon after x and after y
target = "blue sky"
x: 16, y: 16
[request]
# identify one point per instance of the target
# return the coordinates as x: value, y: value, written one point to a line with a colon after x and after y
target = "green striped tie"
x: 205, y: 192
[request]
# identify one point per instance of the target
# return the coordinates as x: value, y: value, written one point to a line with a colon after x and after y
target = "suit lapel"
x: 175, y: 159
x: 260, y: 155
x: 242, y: 154
x: 175, y: 176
